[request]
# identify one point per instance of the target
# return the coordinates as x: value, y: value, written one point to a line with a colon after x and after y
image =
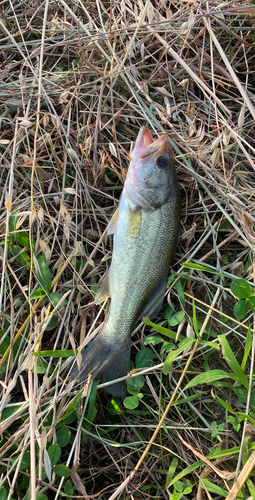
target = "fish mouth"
x: 145, y: 146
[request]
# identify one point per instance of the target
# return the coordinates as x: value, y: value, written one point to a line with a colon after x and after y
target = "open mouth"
x: 145, y: 146
x: 146, y: 138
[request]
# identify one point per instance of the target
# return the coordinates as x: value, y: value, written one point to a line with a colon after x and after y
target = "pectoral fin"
x: 153, y: 306
x: 134, y: 222
x: 104, y: 290
x: 112, y: 226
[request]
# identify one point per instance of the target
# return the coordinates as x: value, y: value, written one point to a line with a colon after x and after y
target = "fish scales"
x: 145, y: 228
x: 136, y: 270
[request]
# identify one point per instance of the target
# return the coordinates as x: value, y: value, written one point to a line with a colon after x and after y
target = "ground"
x: 78, y: 80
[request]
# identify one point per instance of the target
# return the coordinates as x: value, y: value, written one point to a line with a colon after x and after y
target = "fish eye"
x: 162, y: 161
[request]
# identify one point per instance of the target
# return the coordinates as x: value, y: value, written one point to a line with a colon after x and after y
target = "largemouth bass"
x: 145, y: 228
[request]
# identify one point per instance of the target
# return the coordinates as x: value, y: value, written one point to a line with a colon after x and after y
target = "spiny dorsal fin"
x: 104, y: 290
x: 134, y: 222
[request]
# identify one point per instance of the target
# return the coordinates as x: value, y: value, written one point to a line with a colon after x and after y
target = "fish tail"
x: 105, y: 359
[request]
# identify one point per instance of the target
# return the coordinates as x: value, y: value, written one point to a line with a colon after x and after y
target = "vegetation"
x: 78, y: 81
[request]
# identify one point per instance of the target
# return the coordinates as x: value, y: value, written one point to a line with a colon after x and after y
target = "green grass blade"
x: 187, y: 471
x: 171, y: 471
x: 213, y: 488
x: 247, y: 350
x: 208, y: 378
x: 173, y: 354
x: 162, y: 330
x: 232, y: 361
x: 56, y: 353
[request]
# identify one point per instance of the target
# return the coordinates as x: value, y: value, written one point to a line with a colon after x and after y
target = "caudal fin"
x: 106, y: 360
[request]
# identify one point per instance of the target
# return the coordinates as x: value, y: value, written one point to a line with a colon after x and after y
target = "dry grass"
x: 78, y: 80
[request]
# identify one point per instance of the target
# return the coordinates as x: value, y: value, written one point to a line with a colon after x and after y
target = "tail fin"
x: 105, y: 359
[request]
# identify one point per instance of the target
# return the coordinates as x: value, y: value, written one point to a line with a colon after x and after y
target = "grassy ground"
x: 78, y: 80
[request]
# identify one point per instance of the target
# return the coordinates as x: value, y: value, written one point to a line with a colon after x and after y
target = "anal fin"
x: 104, y: 290
x: 154, y: 304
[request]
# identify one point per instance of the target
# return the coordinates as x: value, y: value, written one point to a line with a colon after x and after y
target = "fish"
x: 146, y: 232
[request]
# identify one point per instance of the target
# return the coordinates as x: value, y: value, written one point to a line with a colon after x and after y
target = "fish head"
x: 151, y: 175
